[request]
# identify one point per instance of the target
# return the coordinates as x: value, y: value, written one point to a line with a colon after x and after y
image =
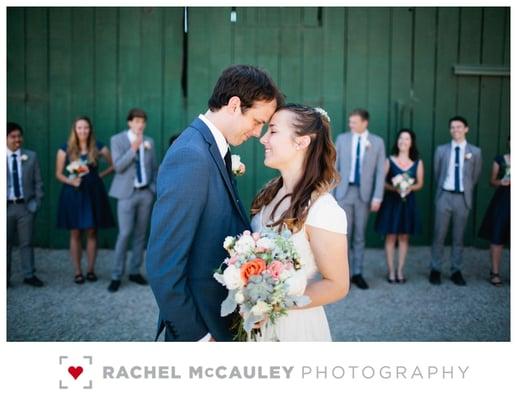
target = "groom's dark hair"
x: 248, y: 83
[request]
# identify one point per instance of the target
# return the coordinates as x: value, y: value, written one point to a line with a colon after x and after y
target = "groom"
x: 198, y: 205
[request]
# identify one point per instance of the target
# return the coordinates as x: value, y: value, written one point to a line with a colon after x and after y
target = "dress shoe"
x: 33, y: 281
x: 457, y: 279
x: 114, y: 285
x: 435, y: 277
x: 137, y: 278
x: 359, y: 281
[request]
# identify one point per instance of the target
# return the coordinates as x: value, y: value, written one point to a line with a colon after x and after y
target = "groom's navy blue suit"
x: 197, y: 206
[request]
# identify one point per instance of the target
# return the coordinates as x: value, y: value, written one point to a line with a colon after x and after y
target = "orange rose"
x: 253, y: 267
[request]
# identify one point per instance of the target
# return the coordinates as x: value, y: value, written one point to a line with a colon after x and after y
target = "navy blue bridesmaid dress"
x: 496, y: 223
x: 397, y: 215
x: 87, y: 206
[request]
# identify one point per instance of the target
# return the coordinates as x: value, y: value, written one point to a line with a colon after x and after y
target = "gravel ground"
x: 416, y: 311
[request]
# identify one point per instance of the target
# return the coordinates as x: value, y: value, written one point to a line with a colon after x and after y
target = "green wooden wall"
x: 397, y: 62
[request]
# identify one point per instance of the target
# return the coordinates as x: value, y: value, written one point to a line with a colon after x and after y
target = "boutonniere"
x: 238, y: 168
x: 468, y: 156
x: 147, y: 144
x: 368, y: 144
x: 24, y: 157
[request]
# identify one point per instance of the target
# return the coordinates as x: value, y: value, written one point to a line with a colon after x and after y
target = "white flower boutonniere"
x: 368, y: 144
x: 147, y: 144
x: 24, y: 157
x: 468, y: 156
x: 238, y: 168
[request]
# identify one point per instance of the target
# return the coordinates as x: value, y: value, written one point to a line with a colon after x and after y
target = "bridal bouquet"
x: 264, y: 279
x: 77, y: 169
x: 402, y: 182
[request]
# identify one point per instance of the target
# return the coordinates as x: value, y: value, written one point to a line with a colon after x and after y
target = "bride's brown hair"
x: 320, y: 174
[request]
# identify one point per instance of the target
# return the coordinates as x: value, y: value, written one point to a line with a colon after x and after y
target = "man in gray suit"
x: 134, y: 186
x: 457, y: 166
x: 24, y: 195
x: 360, y: 162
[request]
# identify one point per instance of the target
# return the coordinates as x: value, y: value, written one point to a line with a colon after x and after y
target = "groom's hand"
x: 212, y: 339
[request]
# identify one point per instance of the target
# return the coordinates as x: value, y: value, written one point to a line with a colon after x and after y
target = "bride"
x: 299, y: 145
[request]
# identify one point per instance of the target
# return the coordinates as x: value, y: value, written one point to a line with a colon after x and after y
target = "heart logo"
x: 75, y: 371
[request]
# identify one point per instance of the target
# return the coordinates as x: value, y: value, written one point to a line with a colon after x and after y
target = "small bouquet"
x: 402, y: 182
x: 264, y: 278
x: 77, y: 169
x: 506, y: 177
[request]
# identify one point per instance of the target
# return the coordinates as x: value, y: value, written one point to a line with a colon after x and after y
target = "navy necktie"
x: 457, y: 169
x: 16, y: 178
x: 357, y: 176
x: 137, y: 165
x: 228, y: 163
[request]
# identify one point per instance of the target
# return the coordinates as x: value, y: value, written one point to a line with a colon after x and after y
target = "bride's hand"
x: 260, y: 324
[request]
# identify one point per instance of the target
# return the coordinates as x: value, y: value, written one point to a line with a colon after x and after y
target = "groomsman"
x: 24, y: 195
x: 457, y: 166
x: 360, y: 162
x: 134, y: 186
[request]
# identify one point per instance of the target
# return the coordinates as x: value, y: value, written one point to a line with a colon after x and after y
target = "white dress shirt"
x: 220, y: 140
x: 223, y: 147
x: 448, y: 184
x: 364, y: 140
x: 10, y: 188
x: 132, y: 137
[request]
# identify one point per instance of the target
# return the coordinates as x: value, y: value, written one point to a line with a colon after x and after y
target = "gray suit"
x: 133, y: 206
x: 20, y: 217
x: 356, y: 200
x: 453, y: 205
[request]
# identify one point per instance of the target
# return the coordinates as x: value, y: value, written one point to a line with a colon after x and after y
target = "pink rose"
x: 275, y: 269
x: 233, y: 259
x: 256, y: 236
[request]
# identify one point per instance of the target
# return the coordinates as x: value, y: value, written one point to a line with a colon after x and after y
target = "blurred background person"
x: 83, y: 202
x: 24, y: 195
x: 496, y: 223
x: 398, y: 217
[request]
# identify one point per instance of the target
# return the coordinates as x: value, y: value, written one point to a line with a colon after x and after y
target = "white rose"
x: 24, y: 157
x: 296, y: 284
x: 265, y: 243
x: 229, y: 242
x: 260, y: 308
x: 147, y: 144
x: 232, y: 278
x: 239, y: 297
x: 238, y: 168
x: 245, y: 244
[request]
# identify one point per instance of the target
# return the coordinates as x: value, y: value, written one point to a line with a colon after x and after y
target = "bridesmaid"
x: 83, y: 201
x: 398, y: 217
x: 496, y: 223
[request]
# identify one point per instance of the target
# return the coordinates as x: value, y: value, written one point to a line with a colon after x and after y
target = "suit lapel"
x: 347, y: 156
x: 221, y: 166
x: 446, y: 159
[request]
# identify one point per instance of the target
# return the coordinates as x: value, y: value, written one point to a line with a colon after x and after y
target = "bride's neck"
x: 291, y: 176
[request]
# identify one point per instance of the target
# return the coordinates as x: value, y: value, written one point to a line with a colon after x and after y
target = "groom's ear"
x: 234, y: 104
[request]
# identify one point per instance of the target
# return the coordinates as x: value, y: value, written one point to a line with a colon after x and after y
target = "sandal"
x: 79, y: 279
x: 401, y: 280
x: 90, y: 276
x: 495, y: 279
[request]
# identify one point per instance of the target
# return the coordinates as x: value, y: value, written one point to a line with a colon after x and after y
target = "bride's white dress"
x: 310, y: 324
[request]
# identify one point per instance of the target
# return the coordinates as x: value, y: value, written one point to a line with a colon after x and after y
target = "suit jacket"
x: 124, y: 164
x: 471, y: 169
x: 372, y: 168
x: 197, y: 206
x: 32, y: 182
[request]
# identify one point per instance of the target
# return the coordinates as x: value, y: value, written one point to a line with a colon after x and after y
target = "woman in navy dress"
x: 398, y: 216
x: 83, y: 201
x: 496, y: 223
